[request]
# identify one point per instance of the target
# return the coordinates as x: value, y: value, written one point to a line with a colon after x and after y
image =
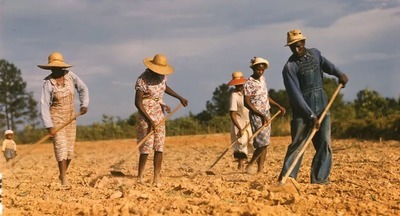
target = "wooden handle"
x: 159, y: 124
x: 227, y: 149
x: 147, y: 136
x: 47, y: 136
x: 58, y: 129
x: 303, y: 149
x: 265, y: 125
x: 252, y: 137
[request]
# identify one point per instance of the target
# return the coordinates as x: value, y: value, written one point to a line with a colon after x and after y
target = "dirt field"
x: 365, y: 181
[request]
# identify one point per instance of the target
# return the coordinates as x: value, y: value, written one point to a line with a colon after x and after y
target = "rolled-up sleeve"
x: 45, y: 103
x: 82, y: 89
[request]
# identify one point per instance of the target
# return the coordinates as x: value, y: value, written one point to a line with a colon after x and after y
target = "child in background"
x: 9, y: 147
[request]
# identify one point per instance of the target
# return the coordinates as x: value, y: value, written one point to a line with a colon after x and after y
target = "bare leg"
x: 241, y: 162
x: 261, y: 160
x: 158, y: 156
x: 68, y: 162
x: 62, y: 166
x: 142, y: 164
x: 255, y: 157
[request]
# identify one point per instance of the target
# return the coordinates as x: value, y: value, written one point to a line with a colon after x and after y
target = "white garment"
x: 242, y: 115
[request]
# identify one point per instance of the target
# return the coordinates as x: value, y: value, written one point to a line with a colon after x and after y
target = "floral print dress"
x: 258, y: 92
x: 153, y: 88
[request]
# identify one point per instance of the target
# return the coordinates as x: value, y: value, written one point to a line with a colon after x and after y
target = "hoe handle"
x: 47, y: 136
x: 58, y: 129
x: 148, y: 135
x: 314, y: 130
x: 159, y: 124
x: 252, y: 137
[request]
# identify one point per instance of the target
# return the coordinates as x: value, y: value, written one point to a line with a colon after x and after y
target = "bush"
x: 387, y: 128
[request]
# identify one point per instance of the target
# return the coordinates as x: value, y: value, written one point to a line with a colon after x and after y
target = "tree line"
x: 369, y: 116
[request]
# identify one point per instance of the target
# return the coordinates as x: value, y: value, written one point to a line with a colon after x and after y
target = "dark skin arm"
x: 171, y: 92
x: 253, y: 109
x: 233, y: 115
x: 139, y: 96
x: 281, y: 108
x: 52, y: 130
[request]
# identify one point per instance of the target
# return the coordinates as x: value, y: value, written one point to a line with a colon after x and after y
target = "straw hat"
x: 294, y: 36
x: 237, y: 79
x: 159, y: 64
x: 56, y: 60
x: 258, y: 60
x: 8, y: 132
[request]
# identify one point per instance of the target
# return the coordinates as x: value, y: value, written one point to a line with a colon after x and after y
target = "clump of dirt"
x: 365, y: 180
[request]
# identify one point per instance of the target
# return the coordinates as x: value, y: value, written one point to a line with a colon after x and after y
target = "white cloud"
x: 205, y: 41
x: 368, y: 34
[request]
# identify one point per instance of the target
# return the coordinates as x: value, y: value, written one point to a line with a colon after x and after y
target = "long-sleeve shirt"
x: 304, y: 89
x: 47, y: 97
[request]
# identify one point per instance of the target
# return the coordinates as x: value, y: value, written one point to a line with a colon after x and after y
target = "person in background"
x: 239, y: 114
x: 150, y: 87
x: 9, y: 147
x: 57, y: 108
x: 303, y: 79
x: 256, y: 99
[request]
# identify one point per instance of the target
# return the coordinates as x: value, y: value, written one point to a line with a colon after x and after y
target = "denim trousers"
x: 322, y: 161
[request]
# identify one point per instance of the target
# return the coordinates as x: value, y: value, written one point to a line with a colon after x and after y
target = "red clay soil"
x: 365, y: 180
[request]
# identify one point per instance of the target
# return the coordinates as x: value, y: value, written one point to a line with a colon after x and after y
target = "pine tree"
x: 17, y: 105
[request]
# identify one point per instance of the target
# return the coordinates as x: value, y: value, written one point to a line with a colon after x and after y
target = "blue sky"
x: 205, y: 41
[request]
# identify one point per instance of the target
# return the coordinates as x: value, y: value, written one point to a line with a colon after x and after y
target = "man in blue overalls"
x: 303, y: 79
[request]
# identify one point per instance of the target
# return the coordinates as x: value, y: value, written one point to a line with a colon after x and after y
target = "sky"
x: 205, y: 41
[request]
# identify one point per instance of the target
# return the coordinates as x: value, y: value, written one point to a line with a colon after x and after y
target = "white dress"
x: 242, y: 115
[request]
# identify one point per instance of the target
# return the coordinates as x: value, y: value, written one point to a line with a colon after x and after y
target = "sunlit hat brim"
x: 239, y: 81
x: 55, y: 64
x: 160, y: 69
x: 295, y: 40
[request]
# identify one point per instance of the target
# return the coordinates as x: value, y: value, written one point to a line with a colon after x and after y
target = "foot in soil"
x: 64, y: 181
x: 140, y: 180
x: 250, y: 169
x: 157, y: 185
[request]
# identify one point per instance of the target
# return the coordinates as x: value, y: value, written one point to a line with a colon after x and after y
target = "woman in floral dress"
x: 150, y: 87
x: 256, y: 99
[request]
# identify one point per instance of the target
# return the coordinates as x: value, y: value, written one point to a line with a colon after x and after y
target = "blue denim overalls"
x: 311, y: 84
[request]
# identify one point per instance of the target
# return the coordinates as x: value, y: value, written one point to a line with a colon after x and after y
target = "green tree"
x: 370, y: 104
x: 219, y: 104
x: 18, y: 106
x: 340, y: 110
x: 282, y: 98
x: 133, y: 119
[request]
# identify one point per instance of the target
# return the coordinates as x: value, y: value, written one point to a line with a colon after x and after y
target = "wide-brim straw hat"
x: 56, y: 60
x: 258, y: 60
x: 237, y: 79
x: 8, y: 132
x: 159, y: 64
x: 293, y: 36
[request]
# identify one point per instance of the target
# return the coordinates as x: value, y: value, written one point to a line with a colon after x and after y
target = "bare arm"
x: 139, y: 105
x: 281, y: 108
x: 253, y: 109
x: 233, y: 115
x: 172, y: 93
